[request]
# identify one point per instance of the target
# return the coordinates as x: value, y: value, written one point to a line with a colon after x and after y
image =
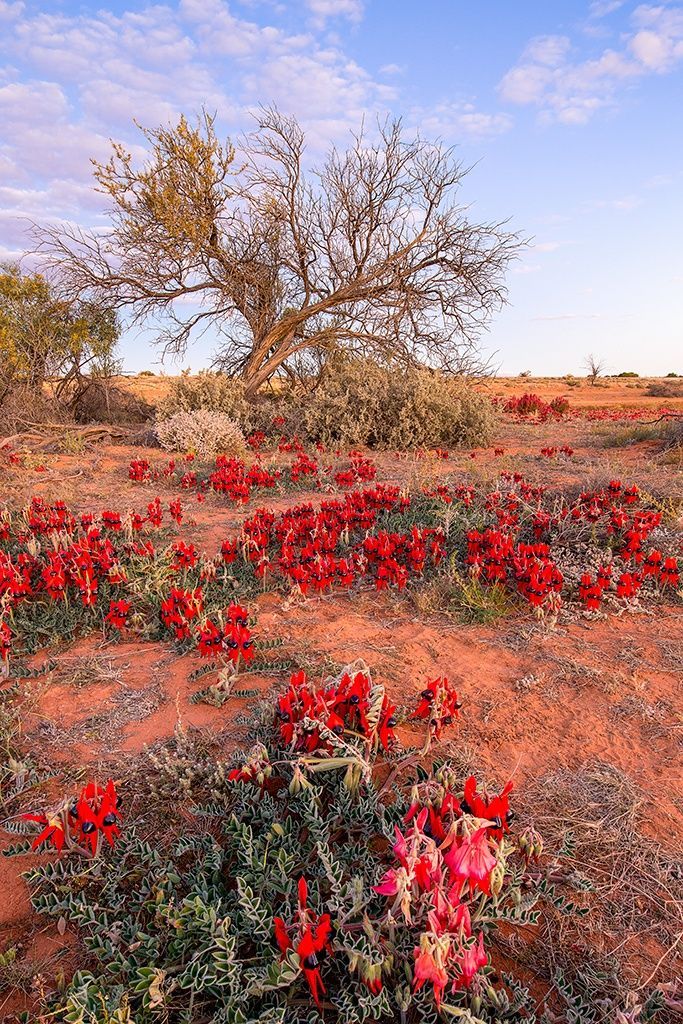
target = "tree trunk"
x: 267, y: 355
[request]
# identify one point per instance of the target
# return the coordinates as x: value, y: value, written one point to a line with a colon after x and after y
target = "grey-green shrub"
x: 360, y: 403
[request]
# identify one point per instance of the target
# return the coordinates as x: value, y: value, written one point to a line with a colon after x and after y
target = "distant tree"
x: 369, y: 253
x: 596, y: 368
x: 44, y: 335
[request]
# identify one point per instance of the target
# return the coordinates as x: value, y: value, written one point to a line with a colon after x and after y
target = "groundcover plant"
x: 333, y: 878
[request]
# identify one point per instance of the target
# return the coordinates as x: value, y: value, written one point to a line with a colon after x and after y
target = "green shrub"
x: 218, y: 393
x: 628, y: 373
x: 360, y: 403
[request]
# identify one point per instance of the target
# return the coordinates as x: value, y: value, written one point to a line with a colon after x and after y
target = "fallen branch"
x: 37, y: 439
x: 664, y: 416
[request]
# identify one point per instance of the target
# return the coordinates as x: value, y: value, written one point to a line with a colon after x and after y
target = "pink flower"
x: 429, y: 967
x: 472, y: 862
x: 473, y: 958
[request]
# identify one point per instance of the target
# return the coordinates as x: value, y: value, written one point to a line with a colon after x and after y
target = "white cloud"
x: 658, y: 44
x: 85, y: 76
x: 624, y: 204
x: 548, y: 50
x: 9, y: 11
x: 323, y: 10
x: 453, y: 121
x: 601, y: 8
x: 571, y: 91
x: 526, y: 268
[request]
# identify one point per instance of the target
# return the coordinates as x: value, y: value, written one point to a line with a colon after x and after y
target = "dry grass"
x: 631, y: 886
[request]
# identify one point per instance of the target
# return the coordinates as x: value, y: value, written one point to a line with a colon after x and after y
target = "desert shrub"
x: 361, y: 403
x: 672, y: 374
x: 24, y: 407
x: 103, y: 402
x: 628, y: 373
x: 147, y: 373
x: 632, y: 433
x: 219, y: 393
x: 662, y: 389
x: 672, y: 433
x: 204, y: 432
x: 209, y: 391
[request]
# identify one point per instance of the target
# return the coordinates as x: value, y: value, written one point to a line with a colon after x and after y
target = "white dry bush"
x: 204, y: 432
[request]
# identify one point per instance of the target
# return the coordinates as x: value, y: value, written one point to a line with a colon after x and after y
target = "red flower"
x: 5, y: 641
x: 112, y: 520
x: 176, y: 511
x: 185, y: 555
x: 96, y: 813
x: 210, y: 640
x: 670, y: 574
x: 472, y: 862
x: 473, y: 957
x: 310, y: 937
x: 429, y: 966
x: 53, y: 830
x: 495, y: 809
x: 239, y: 643
x: 117, y: 616
x: 439, y: 704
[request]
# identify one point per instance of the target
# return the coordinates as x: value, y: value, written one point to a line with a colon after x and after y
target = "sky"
x: 570, y: 114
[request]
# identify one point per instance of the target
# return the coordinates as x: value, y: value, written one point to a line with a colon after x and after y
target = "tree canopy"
x: 46, y: 335
x: 369, y: 252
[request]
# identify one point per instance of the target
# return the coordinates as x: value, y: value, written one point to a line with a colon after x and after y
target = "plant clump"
x: 359, y: 402
x: 204, y: 432
x: 312, y: 890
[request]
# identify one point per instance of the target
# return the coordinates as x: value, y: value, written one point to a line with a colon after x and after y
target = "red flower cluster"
x: 180, y: 608
x: 117, y: 616
x: 552, y: 452
x: 232, y: 478
x: 307, y: 546
x: 393, y: 556
x: 309, y: 719
x: 531, y: 404
x: 362, y: 470
x: 309, y: 936
x: 664, y: 571
x: 81, y: 823
x: 494, y: 558
x: 233, y: 639
x: 302, y: 467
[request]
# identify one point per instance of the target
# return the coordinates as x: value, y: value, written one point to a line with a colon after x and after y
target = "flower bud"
x: 497, y: 878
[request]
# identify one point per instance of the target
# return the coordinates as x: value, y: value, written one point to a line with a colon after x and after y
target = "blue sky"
x: 571, y: 113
